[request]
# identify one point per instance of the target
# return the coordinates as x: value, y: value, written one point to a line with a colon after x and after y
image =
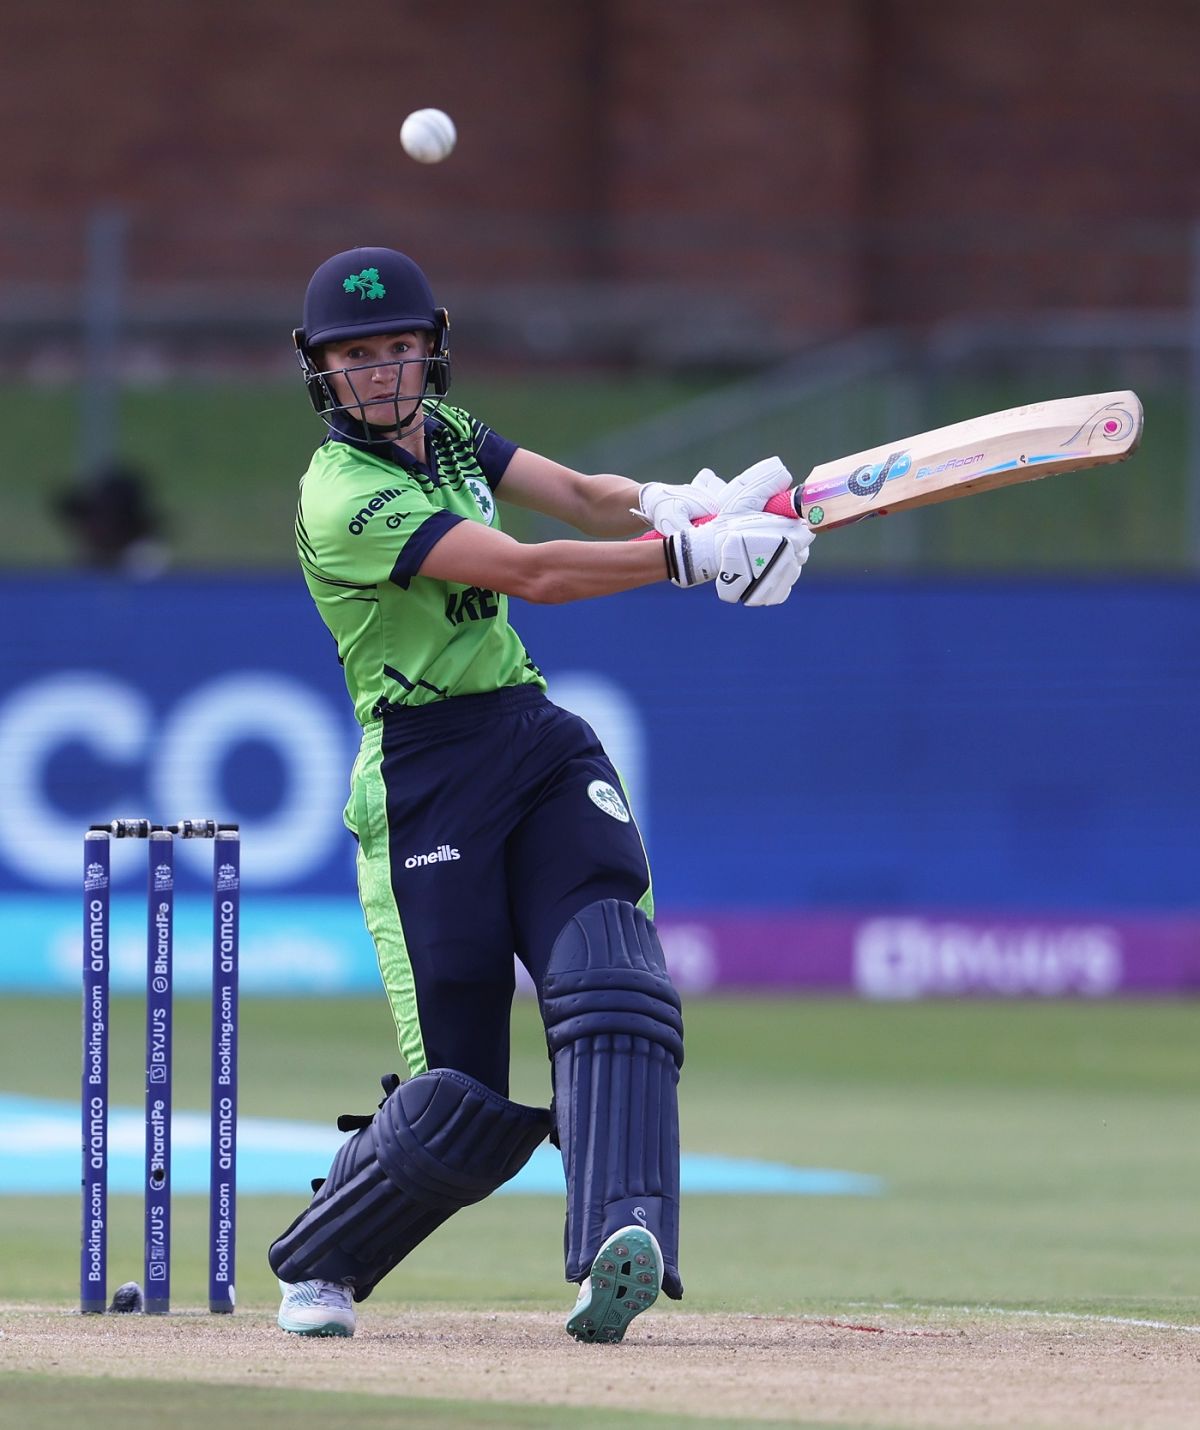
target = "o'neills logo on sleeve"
x: 441, y: 855
x: 358, y: 522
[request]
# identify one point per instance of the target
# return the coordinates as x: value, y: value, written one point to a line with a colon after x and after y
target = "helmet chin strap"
x: 381, y: 433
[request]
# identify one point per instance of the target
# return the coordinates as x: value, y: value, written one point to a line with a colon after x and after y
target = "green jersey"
x: 364, y: 525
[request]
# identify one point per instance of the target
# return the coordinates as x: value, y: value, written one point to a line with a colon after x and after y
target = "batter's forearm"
x: 558, y: 571
x: 607, y: 506
x: 546, y: 572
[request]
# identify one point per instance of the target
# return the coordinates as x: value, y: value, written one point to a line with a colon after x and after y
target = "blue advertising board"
x: 869, y: 746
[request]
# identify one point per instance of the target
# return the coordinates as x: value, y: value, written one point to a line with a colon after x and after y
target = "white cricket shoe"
x: 316, y: 1308
x: 625, y: 1280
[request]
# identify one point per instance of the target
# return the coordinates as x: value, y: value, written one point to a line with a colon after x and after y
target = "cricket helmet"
x: 358, y: 294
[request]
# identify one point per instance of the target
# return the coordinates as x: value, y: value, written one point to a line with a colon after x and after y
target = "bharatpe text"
x: 160, y: 932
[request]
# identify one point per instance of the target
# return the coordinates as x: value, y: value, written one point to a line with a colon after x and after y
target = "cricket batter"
x: 489, y: 821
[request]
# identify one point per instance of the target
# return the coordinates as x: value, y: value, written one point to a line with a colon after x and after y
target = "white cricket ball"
x: 428, y: 135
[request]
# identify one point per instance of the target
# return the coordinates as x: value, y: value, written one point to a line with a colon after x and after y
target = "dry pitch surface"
x: 891, y: 1369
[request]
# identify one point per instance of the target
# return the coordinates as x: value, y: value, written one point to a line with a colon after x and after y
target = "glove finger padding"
x: 694, y: 555
x: 758, y: 570
x: 669, y: 507
x: 752, y: 489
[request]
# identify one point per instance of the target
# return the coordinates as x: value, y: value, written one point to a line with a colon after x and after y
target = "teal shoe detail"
x: 316, y: 1308
x: 625, y: 1280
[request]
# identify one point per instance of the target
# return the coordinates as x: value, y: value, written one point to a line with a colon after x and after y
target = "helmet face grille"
x: 381, y: 410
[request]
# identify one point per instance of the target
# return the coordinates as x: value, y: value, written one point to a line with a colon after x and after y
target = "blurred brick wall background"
x: 819, y: 164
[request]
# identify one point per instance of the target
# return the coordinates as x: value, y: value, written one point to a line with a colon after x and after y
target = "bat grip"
x: 781, y: 504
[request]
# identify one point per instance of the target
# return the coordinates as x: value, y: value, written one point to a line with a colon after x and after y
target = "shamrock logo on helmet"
x: 366, y: 283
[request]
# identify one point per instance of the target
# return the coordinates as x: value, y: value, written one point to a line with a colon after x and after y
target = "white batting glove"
x: 696, y: 554
x: 760, y: 569
x: 669, y: 507
x: 752, y: 489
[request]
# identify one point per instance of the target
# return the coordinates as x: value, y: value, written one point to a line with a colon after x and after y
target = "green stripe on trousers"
x: 366, y: 816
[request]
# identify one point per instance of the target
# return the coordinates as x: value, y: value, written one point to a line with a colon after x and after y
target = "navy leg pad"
x: 615, y: 1033
x: 438, y: 1143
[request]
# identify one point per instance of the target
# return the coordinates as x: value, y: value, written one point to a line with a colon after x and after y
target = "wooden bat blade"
x: 1000, y: 449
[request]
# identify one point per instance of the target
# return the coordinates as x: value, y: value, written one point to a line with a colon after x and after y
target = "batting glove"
x: 752, y: 489
x: 696, y: 554
x: 760, y: 569
x: 669, y: 507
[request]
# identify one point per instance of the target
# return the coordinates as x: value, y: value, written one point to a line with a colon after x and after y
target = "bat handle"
x: 785, y: 503
x: 781, y: 504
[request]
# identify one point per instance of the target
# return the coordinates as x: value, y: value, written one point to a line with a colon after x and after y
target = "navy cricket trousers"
x: 484, y: 823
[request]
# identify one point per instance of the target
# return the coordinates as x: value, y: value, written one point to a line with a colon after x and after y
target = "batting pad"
x: 615, y: 1034
x: 437, y: 1144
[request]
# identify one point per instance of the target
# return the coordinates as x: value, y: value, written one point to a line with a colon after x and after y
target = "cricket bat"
x: 998, y: 450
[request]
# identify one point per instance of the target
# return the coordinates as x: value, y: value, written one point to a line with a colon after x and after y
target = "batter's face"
x: 380, y: 378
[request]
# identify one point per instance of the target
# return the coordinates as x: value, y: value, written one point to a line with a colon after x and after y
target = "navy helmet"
x: 362, y: 293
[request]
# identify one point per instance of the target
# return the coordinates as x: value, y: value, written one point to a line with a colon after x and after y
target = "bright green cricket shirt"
x: 364, y: 525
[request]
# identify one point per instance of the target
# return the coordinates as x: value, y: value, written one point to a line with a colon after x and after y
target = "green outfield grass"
x: 138, y: 1405
x: 225, y: 459
x: 1037, y: 1156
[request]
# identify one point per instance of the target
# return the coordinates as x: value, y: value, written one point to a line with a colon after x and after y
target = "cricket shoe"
x: 626, y: 1278
x: 316, y: 1308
